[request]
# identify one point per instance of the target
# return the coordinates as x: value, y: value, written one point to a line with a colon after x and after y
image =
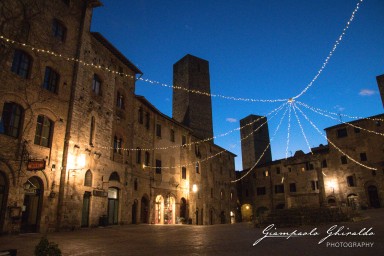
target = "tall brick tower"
x: 191, y: 109
x: 253, y: 146
x: 380, y: 83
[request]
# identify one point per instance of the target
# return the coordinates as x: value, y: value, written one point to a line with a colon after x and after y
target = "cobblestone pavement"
x: 235, y: 239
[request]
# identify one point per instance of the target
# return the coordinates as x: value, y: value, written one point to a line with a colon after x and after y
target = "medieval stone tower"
x: 253, y: 146
x: 192, y: 109
x: 380, y: 83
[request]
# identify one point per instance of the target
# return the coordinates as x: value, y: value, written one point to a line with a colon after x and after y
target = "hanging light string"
x: 302, y: 130
x: 338, y: 114
x: 289, y: 128
x: 337, y: 42
x: 265, y: 150
x: 217, y: 154
x: 210, y: 94
x: 333, y: 144
x: 191, y: 143
x: 149, y: 81
x: 334, y: 118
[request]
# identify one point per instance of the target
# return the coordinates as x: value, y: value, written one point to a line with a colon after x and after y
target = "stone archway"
x: 33, y: 201
x: 183, y: 210
x: 246, y: 212
x: 159, y: 210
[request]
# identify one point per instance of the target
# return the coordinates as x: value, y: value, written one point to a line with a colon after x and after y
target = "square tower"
x: 256, y: 142
x: 193, y: 109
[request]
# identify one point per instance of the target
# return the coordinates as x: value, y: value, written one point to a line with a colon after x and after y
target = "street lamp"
x: 194, y: 188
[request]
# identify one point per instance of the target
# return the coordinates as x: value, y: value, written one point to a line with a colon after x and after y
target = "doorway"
x: 113, y: 206
x: 31, y: 212
x: 85, y: 210
x: 134, y: 212
x: 373, y: 195
x: 144, y: 210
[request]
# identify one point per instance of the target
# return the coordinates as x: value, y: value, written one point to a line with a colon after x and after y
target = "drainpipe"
x: 60, y: 205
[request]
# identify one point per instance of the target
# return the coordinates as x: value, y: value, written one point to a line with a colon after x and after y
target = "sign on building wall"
x: 35, y: 165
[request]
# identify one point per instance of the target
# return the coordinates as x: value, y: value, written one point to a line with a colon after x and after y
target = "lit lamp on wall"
x: 76, y: 162
x: 332, y: 185
x: 194, y: 188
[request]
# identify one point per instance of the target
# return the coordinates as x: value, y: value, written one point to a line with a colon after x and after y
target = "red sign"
x: 35, y: 165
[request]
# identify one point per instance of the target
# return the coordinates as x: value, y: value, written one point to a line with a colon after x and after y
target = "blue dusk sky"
x: 260, y: 50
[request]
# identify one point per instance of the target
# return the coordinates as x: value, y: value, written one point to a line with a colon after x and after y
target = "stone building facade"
x: 79, y: 148
x: 325, y: 177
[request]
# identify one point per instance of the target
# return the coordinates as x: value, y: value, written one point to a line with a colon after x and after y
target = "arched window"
x: 96, y: 85
x: 88, y: 178
x: 44, y: 131
x: 10, y: 123
x: 51, y: 80
x: 114, y: 177
x: 21, y: 64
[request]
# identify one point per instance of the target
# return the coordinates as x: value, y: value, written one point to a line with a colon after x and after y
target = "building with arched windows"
x: 80, y: 149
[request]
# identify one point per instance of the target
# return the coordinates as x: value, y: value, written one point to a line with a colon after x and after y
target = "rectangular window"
x: 96, y: 85
x: 351, y: 181
x: 324, y: 164
x: 158, y: 166
x: 363, y: 157
x: 51, y: 80
x: 43, y: 134
x: 147, y: 158
x: 343, y: 159
x: 138, y: 155
x: 158, y: 130
x: 120, y: 100
x: 21, y: 64
x: 277, y: 170
x: 292, y: 187
x: 10, y: 122
x: 357, y: 130
x: 184, y: 173
x: 260, y: 191
x: 183, y: 140
x: 172, y: 135
x: 141, y: 116
x: 147, y: 120
x: 59, y: 30
x: 341, y: 133
x: 92, y: 131
x: 279, y: 189
x: 315, y: 185
x: 308, y: 166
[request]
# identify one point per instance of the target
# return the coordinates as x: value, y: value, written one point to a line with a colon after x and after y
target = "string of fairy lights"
x: 333, y: 144
x: 219, y: 153
x: 289, y: 128
x: 265, y: 149
x: 346, y: 123
x: 302, y: 130
x: 325, y: 63
x: 290, y: 104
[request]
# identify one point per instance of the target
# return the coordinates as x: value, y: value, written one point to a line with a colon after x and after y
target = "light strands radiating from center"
x: 265, y: 150
x: 333, y: 144
x: 331, y: 52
